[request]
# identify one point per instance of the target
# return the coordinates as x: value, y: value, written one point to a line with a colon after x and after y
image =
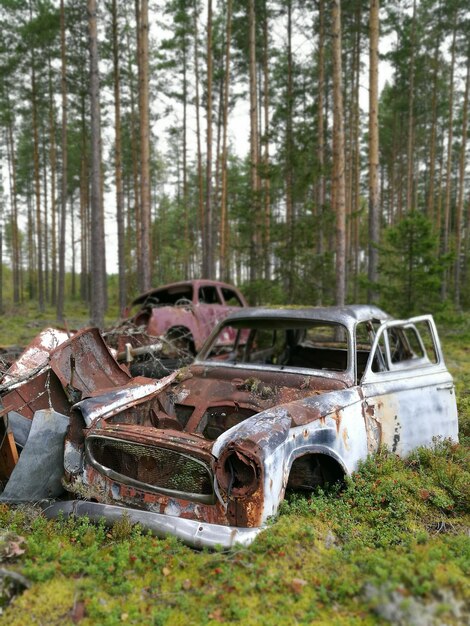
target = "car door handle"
x: 446, y: 387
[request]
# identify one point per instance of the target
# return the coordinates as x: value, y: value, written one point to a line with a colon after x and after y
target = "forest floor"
x: 393, y: 546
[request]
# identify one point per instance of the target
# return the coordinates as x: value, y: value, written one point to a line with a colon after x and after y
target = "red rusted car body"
x: 187, y: 310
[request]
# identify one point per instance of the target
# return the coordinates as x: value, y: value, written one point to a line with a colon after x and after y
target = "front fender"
x: 331, y: 423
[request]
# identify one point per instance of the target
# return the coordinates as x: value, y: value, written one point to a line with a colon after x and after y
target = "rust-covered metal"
x: 55, y: 372
x: 185, y: 313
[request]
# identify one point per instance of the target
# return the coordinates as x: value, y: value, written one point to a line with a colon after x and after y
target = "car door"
x: 409, y: 395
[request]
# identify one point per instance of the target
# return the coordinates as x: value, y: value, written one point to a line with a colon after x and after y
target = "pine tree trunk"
x: 266, y: 164
x: 354, y: 200
x: 97, y: 248
x: 118, y: 164
x: 63, y: 204
x: 224, y: 232
x: 320, y: 195
x: 53, y: 166
x: 84, y: 213
x: 374, y: 206
x: 16, y: 270
x: 208, y: 252
x: 197, y: 105
x: 145, y: 191
x: 187, y: 234
x: 254, y: 153
x: 46, y: 230
x: 290, y: 218
x: 37, y: 192
x: 450, y: 138
x: 460, y: 197
x: 433, y: 133
x: 339, y: 184
x: 411, y: 129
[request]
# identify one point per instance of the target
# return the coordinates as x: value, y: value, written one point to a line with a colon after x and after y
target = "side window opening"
x: 404, y: 346
x: 230, y: 297
x: 208, y: 295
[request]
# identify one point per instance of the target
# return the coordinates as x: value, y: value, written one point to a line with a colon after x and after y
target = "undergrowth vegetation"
x: 391, y: 546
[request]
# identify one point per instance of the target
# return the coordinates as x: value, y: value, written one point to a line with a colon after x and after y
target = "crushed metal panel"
x: 84, y: 363
x: 38, y: 473
x: 36, y: 354
x: 106, y: 403
x: 41, y: 391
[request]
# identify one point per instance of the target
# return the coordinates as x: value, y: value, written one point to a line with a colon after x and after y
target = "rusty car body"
x: 171, y: 324
x: 295, y: 400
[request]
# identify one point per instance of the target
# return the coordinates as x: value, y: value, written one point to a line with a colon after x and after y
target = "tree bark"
x: 374, y: 206
x: 208, y: 251
x: 290, y: 218
x: 339, y: 184
x: 460, y: 197
x: 97, y: 248
x: 53, y: 166
x: 63, y: 199
x: 37, y: 191
x: 254, y: 152
x: 450, y: 138
x: 224, y: 266
x: 145, y: 191
x: 432, y: 148
x: 410, y: 152
x: 321, y: 191
x: 266, y: 163
x: 15, y: 240
x: 197, y: 105
x: 118, y: 164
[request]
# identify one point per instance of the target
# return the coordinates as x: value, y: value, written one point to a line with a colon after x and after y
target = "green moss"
x: 397, y: 534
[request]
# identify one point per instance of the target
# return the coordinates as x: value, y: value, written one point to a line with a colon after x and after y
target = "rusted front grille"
x: 151, y: 468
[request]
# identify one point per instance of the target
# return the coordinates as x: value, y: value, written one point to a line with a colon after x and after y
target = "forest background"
x: 135, y: 112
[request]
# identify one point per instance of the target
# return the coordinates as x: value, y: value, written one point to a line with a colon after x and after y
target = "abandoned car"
x: 293, y: 401
x: 171, y: 324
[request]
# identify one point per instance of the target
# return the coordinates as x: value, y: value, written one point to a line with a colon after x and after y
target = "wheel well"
x: 178, y: 333
x: 314, y: 470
